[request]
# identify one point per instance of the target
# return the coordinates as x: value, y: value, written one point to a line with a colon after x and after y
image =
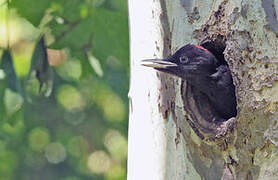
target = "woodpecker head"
x: 190, y: 60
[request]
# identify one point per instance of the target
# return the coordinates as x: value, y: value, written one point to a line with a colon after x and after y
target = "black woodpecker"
x: 200, y: 68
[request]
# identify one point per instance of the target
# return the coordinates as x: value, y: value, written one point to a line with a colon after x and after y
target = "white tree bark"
x: 162, y: 142
x: 147, y: 128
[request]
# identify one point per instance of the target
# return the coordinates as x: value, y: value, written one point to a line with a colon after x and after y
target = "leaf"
x: 104, y: 33
x: 13, y: 102
x: 16, y: 128
x: 95, y: 64
x: 110, y: 35
x: 119, y: 5
x: 32, y: 10
x: 70, y: 70
x: 11, y: 78
x: 43, y: 71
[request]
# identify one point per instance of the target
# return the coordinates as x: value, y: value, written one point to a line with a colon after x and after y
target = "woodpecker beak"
x: 158, y: 63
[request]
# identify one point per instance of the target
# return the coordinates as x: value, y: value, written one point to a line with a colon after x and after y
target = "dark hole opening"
x: 216, y: 47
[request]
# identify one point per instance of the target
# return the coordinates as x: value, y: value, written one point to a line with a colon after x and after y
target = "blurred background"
x: 64, y: 79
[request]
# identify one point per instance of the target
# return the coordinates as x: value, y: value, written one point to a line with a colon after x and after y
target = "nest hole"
x: 217, y: 48
x: 205, y: 118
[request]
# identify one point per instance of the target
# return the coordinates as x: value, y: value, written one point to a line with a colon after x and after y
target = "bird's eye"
x: 184, y: 59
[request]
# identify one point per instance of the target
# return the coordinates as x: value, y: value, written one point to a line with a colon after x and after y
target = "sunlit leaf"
x: 22, y: 54
x: 70, y: 70
x: 38, y: 139
x: 116, y: 144
x: 32, y: 85
x: 84, y: 11
x: 94, y: 62
x: 99, y: 162
x: 70, y: 98
x: 13, y: 102
x: 15, y: 129
x: 55, y: 153
x: 116, y: 172
x: 2, y: 74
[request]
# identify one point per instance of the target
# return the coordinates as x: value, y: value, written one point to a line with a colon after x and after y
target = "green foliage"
x: 38, y: 138
x: 33, y: 11
x: 64, y: 117
x: 40, y: 66
x: 12, y: 81
x: 102, y: 32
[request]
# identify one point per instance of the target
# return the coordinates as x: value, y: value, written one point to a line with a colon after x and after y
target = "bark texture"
x: 168, y: 136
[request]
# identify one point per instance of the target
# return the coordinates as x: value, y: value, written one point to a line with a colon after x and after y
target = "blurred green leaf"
x: 112, y: 105
x: 113, y: 27
x: 70, y: 70
x: 8, y: 163
x: 2, y: 74
x: 116, y: 172
x: 116, y: 144
x: 74, y: 117
x: 95, y: 64
x: 15, y: 129
x: 97, y: 3
x: 55, y: 153
x: 69, y: 10
x: 119, y: 5
x: 99, y: 162
x: 102, y: 32
x: 13, y: 102
x: 32, y: 10
x: 38, y: 138
x: 34, y: 159
x: 70, y: 98
x: 78, y: 146
x: 10, y: 76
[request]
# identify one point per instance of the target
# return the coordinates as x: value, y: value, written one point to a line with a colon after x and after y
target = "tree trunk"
x: 169, y: 138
